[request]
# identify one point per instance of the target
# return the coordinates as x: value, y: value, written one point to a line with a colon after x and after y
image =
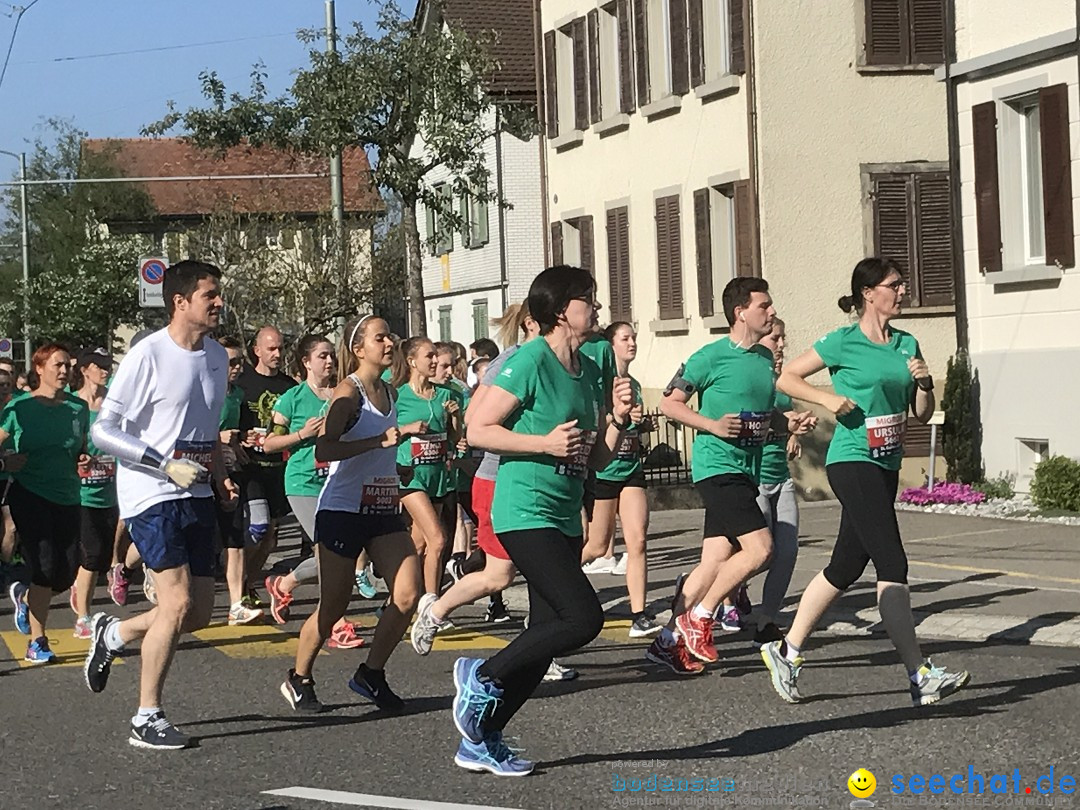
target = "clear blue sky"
x: 114, y: 96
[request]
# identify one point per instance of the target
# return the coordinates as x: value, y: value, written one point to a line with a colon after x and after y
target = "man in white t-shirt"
x: 160, y: 419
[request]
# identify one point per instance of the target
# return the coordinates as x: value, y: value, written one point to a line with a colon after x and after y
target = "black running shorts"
x: 731, y: 508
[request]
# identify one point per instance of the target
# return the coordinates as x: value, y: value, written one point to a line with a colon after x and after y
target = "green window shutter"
x: 480, y: 223
x: 464, y: 211
x: 431, y: 238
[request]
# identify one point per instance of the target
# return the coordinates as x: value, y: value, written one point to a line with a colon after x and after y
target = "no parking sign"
x: 6, y: 347
x: 151, y: 275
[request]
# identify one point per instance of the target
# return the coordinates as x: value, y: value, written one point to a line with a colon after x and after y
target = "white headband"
x: 359, y: 323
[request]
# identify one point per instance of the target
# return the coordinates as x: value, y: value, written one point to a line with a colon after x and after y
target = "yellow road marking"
x: 457, y: 639
x: 249, y: 640
x: 69, y: 651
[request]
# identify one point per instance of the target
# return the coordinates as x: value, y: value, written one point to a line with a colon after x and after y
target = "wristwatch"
x: 620, y: 426
x: 925, y: 383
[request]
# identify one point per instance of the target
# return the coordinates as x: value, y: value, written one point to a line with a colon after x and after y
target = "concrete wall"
x: 985, y: 26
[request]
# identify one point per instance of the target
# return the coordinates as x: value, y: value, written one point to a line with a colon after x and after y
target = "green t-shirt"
x: 429, y: 455
x: 774, y: 461
x: 731, y: 380
x: 598, y: 349
x: 876, y: 378
x: 303, y: 474
x: 230, y: 410
x: 52, y: 436
x: 98, y: 490
x: 627, y: 460
x: 387, y: 374
x: 540, y: 491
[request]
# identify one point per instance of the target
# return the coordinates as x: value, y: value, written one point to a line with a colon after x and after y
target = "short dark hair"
x: 614, y: 327
x: 485, y: 347
x: 552, y: 291
x: 230, y: 342
x: 738, y: 293
x: 869, y: 272
x: 183, y: 279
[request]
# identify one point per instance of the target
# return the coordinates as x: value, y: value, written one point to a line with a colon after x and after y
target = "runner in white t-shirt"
x: 160, y: 419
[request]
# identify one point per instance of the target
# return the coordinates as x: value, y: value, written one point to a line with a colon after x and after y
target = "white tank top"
x: 368, y: 483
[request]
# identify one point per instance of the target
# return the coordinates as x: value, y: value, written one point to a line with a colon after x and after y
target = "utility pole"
x: 337, y: 197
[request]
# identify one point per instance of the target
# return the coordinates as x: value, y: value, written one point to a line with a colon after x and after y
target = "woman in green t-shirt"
x: 878, y: 376
x: 619, y: 488
x: 424, y: 462
x: 48, y: 431
x: 546, y: 415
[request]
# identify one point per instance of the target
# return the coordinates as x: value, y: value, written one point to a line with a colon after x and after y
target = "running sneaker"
x: 424, y: 625
x: 239, y: 613
x: 936, y: 683
x: 619, y: 568
x: 300, y: 692
x: 474, y: 699
x: 731, y: 620
x: 118, y: 585
x: 770, y: 632
x: 697, y: 632
x: 364, y: 586
x: 742, y: 601
x: 148, y: 588
x: 601, y: 565
x: 343, y: 636
x: 251, y: 598
x: 38, y: 652
x: 82, y: 627
x: 493, y: 755
x: 18, y: 592
x: 674, y: 656
x: 453, y: 569
x: 644, y: 627
x: 784, y: 673
x: 157, y: 733
x: 371, y: 684
x: 497, y: 613
x: 279, y: 600
x: 557, y: 672
x: 679, y: 580
x: 99, y: 657
x: 71, y: 600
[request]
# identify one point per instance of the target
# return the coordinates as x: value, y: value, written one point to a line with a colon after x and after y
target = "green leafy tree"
x: 409, y: 82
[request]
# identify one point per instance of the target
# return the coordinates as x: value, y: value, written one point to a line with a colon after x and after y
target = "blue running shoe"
x: 474, y: 701
x: 17, y: 592
x: 364, y: 586
x: 493, y: 755
x: 38, y: 652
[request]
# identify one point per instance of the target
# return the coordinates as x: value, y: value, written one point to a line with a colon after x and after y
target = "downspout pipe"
x: 541, y: 117
x: 752, y: 126
x: 503, y: 275
x: 956, y: 224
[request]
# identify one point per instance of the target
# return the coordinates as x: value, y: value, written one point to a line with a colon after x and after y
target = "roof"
x: 514, y: 46
x: 173, y: 157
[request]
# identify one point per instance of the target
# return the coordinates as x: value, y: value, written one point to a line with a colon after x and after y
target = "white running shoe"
x: 619, y: 568
x: 601, y: 565
x: 557, y: 672
x: 241, y: 614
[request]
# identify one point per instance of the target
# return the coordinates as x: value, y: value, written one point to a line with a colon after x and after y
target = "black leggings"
x: 48, y: 537
x: 868, y: 528
x: 564, y: 614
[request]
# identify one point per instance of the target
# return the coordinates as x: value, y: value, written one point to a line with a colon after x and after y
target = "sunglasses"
x: 235, y: 362
x: 895, y: 285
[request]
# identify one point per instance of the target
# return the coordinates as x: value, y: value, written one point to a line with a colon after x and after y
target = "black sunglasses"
x: 236, y: 361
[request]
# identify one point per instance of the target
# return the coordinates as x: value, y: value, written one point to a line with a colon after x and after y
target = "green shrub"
x: 1057, y: 484
x: 960, y: 437
x: 1000, y: 487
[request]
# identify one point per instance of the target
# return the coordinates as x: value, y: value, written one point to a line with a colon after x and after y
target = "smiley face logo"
x: 862, y: 784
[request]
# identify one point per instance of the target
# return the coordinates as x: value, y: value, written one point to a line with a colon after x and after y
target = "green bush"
x: 1000, y: 487
x: 960, y: 436
x: 1057, y: 484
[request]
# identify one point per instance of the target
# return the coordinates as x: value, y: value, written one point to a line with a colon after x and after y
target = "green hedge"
x: 1057, y: 484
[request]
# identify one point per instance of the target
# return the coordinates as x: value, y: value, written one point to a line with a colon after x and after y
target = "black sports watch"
x: 925, y: 383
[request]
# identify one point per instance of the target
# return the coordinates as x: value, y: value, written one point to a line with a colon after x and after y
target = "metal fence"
x: 666, y: 450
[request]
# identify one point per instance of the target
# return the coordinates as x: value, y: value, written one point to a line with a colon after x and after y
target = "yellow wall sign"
x: 444, y: 260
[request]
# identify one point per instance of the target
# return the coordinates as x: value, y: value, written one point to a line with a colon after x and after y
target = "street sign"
x: 6, y: 347
x: 151, y: 274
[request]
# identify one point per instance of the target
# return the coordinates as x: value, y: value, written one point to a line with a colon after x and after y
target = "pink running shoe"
x: 279, y: 600
x: 118, y: 585
x: 344, y: 637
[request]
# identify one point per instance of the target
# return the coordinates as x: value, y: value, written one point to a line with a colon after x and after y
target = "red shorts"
x: 483, y: 493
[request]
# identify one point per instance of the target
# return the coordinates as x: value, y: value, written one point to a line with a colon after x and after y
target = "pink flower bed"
x: 943, y: 493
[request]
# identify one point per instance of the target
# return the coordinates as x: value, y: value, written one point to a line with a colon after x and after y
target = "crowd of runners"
x: 446, y: 477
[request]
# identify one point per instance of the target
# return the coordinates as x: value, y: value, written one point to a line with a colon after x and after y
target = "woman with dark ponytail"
x: 878, y: 375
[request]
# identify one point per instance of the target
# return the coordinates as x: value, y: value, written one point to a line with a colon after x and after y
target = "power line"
x: 156, y: 49
x: 18, y: 11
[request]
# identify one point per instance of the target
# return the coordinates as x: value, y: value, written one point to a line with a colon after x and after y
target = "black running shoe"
x: 159, y: 734
x: 497, y: 613
x: 766, y: 634
x: 371, y: 684
x: 300, y: 692
x: 99, y: 657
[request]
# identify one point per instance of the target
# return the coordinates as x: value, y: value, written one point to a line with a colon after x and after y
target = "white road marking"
x: 369, y: 800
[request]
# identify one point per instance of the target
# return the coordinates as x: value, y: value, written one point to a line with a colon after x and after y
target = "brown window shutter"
x: 933, y: 239
x: 680, y: 65
x: 669, y: 257
x: 626, y: 57
x: 893, y: 231
x: 618, y: 244
x: 746, y: 263
x: 551, y: 84
x: 737, y: 35
x: 987, y: 202
x: 556, y: 243
x: 887, y: 32
x: 1057, y: 175
x: 585, y: 243
x: 695, y: 24
x: 595, y: 113
x: 581, y: 74
x: 927, y: 32
x: 703, y: 244
x: 641, y: 51
x: 663, y: 265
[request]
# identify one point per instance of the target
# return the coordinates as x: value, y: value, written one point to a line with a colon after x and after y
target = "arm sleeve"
x: 125, y: 402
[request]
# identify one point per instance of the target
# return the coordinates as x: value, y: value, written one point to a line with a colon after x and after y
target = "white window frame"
x: 1015, y: 172
x: 725, y: 263
x: 659, y: 24
x: 715, y: 39
x: 564, y: 75
x: 610, y: 78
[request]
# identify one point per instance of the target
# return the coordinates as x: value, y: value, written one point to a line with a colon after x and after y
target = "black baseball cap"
x: 98, y: 357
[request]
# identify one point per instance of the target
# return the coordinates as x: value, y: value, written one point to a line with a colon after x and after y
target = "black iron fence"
x: 666, y: 450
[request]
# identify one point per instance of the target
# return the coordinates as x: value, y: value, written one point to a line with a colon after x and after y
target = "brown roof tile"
x: 173, y: 157
x: 512, y: 22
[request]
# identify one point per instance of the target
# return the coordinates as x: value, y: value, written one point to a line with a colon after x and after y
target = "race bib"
x: 102, y: 470
x: 577, y: 465
x: 380, y: 496
x: 885, y: 434
x: 322, y: 468
x: 629, y: 446
x: 431, y: 448
x: 199, y: 452
x: 754, y: 428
